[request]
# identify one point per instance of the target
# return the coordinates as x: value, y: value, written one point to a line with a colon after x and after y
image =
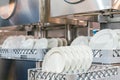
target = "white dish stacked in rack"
x: 28, y: 42
x: 24, y: 42
x: 80, y: 40
x: 26, y: 47
x: 106, y: 45
x: 106, y: 39
x: 68, y: 59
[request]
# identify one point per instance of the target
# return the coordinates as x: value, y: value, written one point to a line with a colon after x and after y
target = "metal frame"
x: 63, y: 8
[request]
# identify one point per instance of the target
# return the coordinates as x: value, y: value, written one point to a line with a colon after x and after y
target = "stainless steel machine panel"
x: 20, y: 12
x: 66, y: 7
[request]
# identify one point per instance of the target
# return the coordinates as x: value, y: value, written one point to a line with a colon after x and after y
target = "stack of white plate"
x: 28, y: 42
x: 80, y: 40
x: 106, y: 39
x: 52, y: 43
x: 41, y: 43
x: 34, y: 43
x: 65, y: 43
x: 25, y: 42
x: 13, y: 42
x: 118, y: 33
x: 56, y: 42
x: 69, y: 59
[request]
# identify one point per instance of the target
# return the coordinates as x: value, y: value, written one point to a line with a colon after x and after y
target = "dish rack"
x: 106, y: 56
x: 23, y: 54
x: 100, y: 56
x: 96, y: 72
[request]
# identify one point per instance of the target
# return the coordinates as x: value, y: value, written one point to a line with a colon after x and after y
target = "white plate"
x: 77, y: 58
x: 52, y: 43
x: 104, y: 39
x: 58, y: 67
x: 19, y: 40
x: 8, y: 43
x: 72, y: 57
x: 69, y: 59
x: 64, y: 41
x: 29, y: 37
x: 41, y: 43
x: 118, y: 33
x: 55, y: 63
x: 60, y: 42
x: 27, y: 44
x: 88, y: 57
x: 81, y: 56
x: 13, y: 42
x: 81, y: 40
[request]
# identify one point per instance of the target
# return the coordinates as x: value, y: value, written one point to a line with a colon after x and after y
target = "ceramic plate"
x: 7, y: 42
x: 57, y: 57
x: 77, y: 58
x: 41, y: 43
x: 118, y: 33
x: 13, y: 42
x: 55, y: 63
x: 52, y: 43
x: 81, y: 56
x: 81, y: 40
x: 68, y: 60
x: 88, y: 57
x: 60, y: 42
x: 19, y: 40
x: 104, y: 39
x: 29, y: 37
x: 72, y: 57
x: 27, y: 44
x: 64, y: 41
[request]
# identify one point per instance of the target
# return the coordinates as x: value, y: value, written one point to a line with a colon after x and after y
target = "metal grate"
x: 95, y: 72
x: 106, y: 56
x: 100, y: 53
x: 100, y: 56
x: 24, y: 54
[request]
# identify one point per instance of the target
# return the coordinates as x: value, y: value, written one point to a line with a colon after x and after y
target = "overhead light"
x: 75, y: 19
x: 81, y: 21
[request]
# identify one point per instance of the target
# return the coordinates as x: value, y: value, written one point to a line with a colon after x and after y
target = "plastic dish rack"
x: 100, y: 56
x: 96, y: 72
x: 23, y: 54
x: 106, y: 56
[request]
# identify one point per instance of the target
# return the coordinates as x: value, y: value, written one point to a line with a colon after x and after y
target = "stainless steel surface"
x: 72, y: 20
x: 35, y: 11
x: 85, y: 6
x: 107, y: 22
x: 7, y: 8
x: 26, y: 12
x: 89, y: 27
x: 68, y: 32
